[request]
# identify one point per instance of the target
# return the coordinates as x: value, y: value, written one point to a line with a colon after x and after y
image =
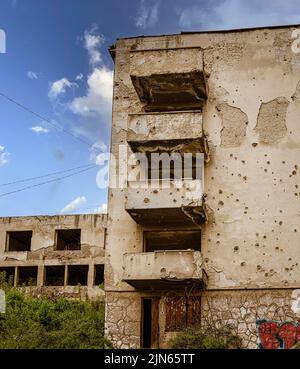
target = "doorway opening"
x: 150, y: 324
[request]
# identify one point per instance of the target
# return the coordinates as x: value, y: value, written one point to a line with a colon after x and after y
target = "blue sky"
x: 57, y: 65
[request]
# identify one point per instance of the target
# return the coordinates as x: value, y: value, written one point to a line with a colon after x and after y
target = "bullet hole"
x: 283, y: 162
x: 266, y: 170
x: 294, y: 172
x: 235, y: 158
x: 257, y: 234
x: 246, y: 208
x: 163, y: 270
x: 243, y: 161
x: 174, y: 200
x: 218, y: 242
x: 286, y: 269
x: 245, y: 178
x: 236, y: 249
x: 231, y: 155
x: 206, y: 260
x: 265, y: 236
x: 277, y: 248
x: 296, y: 167
x: 155, y: 191
x: 266, y: 274
x: 257, y: 244
x: 212, y: 178
x: 220, y: 192
x: 243, y: 263
x: 268, y: 163
x: 218, y: 234
x: 295, y: 230
x: 280, y: 223
x: 254, y: 144
x: 296, y: 194
x: 258, y: 267
x: 237, y: 200
x: 146, y: 200
x: 296, y: 186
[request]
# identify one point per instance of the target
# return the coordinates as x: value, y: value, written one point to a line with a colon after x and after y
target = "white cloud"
x: 93, y: 42
x: 79, y: 77
x: 59, y: 87
x: 102, y: 209
x: 98, y: 97
x: 96, y: 149
x: 226, y: 14
x: 32, y: 75
x: 4, y: 155
x: 74, y: 205
x: 39, y: 129
x: 147, y: 14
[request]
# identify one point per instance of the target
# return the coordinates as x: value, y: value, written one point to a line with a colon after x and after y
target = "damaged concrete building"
x: 59, y: 255
x: 230, y: 252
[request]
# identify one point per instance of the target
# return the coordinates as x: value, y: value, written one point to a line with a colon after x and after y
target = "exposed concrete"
x: 271, y: 121
x: 234, y: 125
x: 164, y: 269
x: 251, y: 237
x: 43, y: 249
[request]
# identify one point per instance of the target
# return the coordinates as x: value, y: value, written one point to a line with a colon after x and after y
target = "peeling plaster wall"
x: 251, y: 239
x: 43, y: 250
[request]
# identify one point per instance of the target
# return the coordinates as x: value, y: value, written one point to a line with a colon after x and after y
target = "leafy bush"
x: 43, y: 323
x: 201, y: 338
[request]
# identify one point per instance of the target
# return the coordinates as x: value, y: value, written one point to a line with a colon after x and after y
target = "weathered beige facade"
x: 233, y: 96
x: 55, y: 254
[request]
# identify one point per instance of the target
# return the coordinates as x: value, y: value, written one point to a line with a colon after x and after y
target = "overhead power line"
x: 45, y: 175
x: 46, y: 182
x: 58, y: 127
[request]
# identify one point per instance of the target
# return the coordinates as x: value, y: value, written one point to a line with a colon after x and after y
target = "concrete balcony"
x: 166, y: 203
x: 164, y: 269
x: 169, y: 79
x: 150, y: 132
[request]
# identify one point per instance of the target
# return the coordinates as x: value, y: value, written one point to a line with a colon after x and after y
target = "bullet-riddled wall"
x: 250, y: 240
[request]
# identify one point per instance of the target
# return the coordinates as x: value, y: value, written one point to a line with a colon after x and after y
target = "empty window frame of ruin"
x: 99, y: 274
x: 68, y: 239
x: 178, y: 169
x: 18, y: 241
x: 7, y: 275
x: 78, y: 275
x: 172, y: 240
x: 27, y: 275
x: 54, y: 275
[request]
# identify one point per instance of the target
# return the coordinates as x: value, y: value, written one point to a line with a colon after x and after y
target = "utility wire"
x: 46, y: 182
x: 58, y: 127
x: 44, y: 176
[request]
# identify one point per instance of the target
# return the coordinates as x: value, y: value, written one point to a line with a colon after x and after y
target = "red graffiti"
x: 275, y: 335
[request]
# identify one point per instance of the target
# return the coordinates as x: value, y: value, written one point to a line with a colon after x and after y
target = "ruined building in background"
x: 228, y: 252
x: 59, y: 255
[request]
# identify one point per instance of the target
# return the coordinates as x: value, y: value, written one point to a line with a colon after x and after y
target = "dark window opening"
x: 178, y: 169
x: 19, y: 241
x: 99, y: 274
x: 182, y: 312
x: 54, y: 275
x: 78, y: 275
x: 172, y: 240
x: 27, y: 276
x: 147, y: 323
x: 8, y: 274
x: 68, y: 239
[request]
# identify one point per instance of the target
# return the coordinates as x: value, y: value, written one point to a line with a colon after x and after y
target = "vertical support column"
x: 41, y: 275
x: 91, y: 275
x: 16, y: 278
x: 66, y: 276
